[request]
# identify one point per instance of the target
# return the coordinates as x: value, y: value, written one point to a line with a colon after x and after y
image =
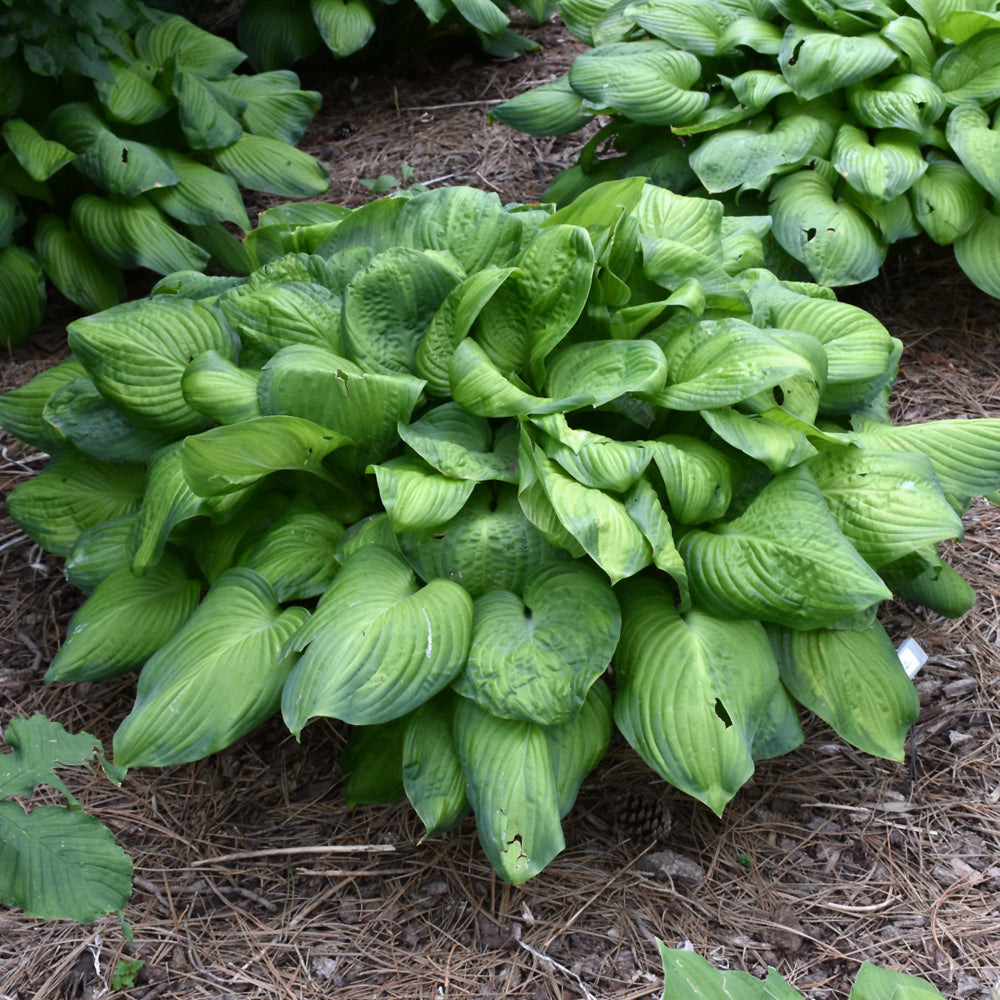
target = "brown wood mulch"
x: 254, y: 880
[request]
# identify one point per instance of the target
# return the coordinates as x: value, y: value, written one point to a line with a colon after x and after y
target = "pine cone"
x: 642, y: 817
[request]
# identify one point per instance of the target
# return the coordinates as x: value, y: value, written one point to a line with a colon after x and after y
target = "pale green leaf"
x: 344, y: 25
x: 978, y: 252
x: 40, y: 157
x: 175, y: 39
x: 261, y: 163
x: 201, y: 194
x: 819, y: 62
x: 417, y: 496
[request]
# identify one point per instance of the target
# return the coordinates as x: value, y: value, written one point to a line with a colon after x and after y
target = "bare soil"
x: 254, y: 880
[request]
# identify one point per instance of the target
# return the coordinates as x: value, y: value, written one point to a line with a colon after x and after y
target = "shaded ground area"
x: 254, y: 880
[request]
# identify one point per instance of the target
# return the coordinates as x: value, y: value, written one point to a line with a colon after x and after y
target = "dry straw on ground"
x: 254, y: 880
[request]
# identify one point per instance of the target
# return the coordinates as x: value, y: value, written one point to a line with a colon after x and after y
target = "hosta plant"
x: 853, y: 125
x: 436, y: 463
x: 126, y: 137
x: 56, y: 862
x: 687, y: 976
x: 277, y: 33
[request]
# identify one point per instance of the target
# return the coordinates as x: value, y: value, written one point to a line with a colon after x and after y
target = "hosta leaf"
x: 690, y: 691
x: 511, y: 786
x: 21, y: 409
x: 275, y: 34
x: 229, y: 458
x: 378, y: 645
x: 99, y: 551
x: 201, y: 194
x: 946, y: 201
x: 643, y: 505
x: 695, y: 222
x: 344, y: 25
x: 261, y: 163
x: 311, y: 382
x: 692, y: 25
x: 606, y: 369
x: 756, y: 88
x: 537, y: 306
x: 92, y: 283
x: 372, y: 760
x: 646, y: 81
x: 82, y: 415
x: 297, y: 554
x: 275, y: 105
x: 976, y: 144
x: 535, y: 656
x: 60, y: 864
x: 72, y: 493
x: 882, y: 168
x: 457, y: 443
x: 778, y: 446
x: 690, y: 274
x: 971, y: 71
x: 783, y: 560
x: 188, y: 46
x: 887, y: 503
x: 22, y: 294
x: 209, y: 114
x: 978, y: 252
x: 40, y: 157
x: 873, y: 983
x: 577, y: 745
x: 125, y: 621
x: 552, y: 109
x: 134, y: 233
x: 834, y: 240
x: 136, y: 354
x: 390, y: 304
x: 218, y: 678
x: 416, y: 496
x: 432, y: 771
x: 486, y: 546
x: 820, y: 62
x: 130, y: 97
x: 924, y: 578
x: 484, y: 15
x: 907, y: 101
x: 220, y: 390
x: 853, y: 681
x: 965, y: 453
x: 697, y: 477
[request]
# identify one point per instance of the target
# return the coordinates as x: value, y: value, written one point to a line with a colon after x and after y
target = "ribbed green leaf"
x: 691, y: 690
x: 136, y: 354
x: 535, y: 656
x: 697, y: 477
x: 976, y: 144
x: 217, y: 388
x: 390, y: 304
x: 771, y: 442
x: 21, y: 409
x: 978, y: 253
x: 378, y: 645
x: 230, y: 458
x: 853, y: 681
x: 971, y: 71
x: 40, y: 157
x: 275, y: 33
x: 511, y: 786
x: 125, y: 621
x: 606, y: 369
x: 92, y: 283
x: 416, y: 496
x: 99, y: 551
x: 432, y: 771
x: 22, y: 295
x: 209, y: 114
x: 261, y: 163
x: 484, y: 15
x: 820, y: 62
x: 178, y: 40
x: 552, y: 109
x: 486, y: 546
x: 882, y: 168
x: 946, y: 200
x: 72, y: 493
x: 907, y: 101
x: 218, y: 678
x: 783, y: 560
x: 134, y: 233
x: 873, y: 983
x: 131, y: 97
x: 201, y: 194
x: 344, y: 25
x: 275, y: 105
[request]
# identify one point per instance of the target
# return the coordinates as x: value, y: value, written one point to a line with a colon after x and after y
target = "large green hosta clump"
x: 854, y: 125
x: 438, y: 463
x: 127, y: 135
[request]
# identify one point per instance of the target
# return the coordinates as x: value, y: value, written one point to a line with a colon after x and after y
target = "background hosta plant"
x: 126, y: 138
x: 277, y: 33
x: 436, y: 463
x: 852, y: 125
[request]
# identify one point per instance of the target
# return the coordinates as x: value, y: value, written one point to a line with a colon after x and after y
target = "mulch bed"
x: 254, y: 880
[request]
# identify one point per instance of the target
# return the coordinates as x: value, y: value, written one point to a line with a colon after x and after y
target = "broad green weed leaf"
x: 389, y: 306
x: 378, y: 644
x: 218, y: 678
x: 72, y: 493
x: 136, y: 354
x: 125, y: 621
x: 488, y: 545
x: 432, y: 771
x: 690, y: 690
x: 853, y: 681
x: 417, y: 496
x: 230, y: 458
x: 511, y: 787
x: 534, y: 656
x: 783, y: 560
